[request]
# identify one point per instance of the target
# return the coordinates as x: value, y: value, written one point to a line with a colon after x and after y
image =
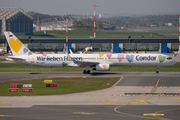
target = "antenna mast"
x: 179, y: 33
x: 94, y: 20
x: 66, y: 33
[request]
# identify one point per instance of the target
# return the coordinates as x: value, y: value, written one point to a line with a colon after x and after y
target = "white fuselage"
x: 62, y: 60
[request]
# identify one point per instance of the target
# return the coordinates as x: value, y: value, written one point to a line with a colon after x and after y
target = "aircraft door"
x: 32, y: 59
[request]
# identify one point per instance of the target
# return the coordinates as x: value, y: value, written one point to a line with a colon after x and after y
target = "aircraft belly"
x: 145, y: 63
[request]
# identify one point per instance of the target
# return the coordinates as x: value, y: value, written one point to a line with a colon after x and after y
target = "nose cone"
x: 169, y: 62
x: 173, y: 62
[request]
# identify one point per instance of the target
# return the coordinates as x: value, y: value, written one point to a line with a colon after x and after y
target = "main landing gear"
x: 157, y: 71
x: 87, y: 71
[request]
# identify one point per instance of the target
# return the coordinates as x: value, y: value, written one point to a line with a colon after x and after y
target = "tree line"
x: 143, y: 21
x: 116, y: 21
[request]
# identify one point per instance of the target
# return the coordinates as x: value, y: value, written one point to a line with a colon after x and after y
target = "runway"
x: 136, y: 96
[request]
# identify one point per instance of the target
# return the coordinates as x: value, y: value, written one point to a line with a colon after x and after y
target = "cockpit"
x: 169, y: 58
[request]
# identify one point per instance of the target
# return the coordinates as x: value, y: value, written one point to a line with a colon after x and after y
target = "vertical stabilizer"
x: 16, y: 46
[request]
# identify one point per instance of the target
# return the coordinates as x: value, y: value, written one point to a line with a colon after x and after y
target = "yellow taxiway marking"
x: 5, y: 115
x: 153, y: 114
x: 4, y: 102
x: 154, y: 89
x: 131, y: 115
x: 133, y: 102
x: 103, y: 100
x: 8, y: 105
x: 84, y: 77
x: 84, y: 113
x: 118, y: 81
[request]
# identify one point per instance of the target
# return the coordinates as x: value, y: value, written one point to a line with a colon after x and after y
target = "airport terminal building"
x: 100, y: 45
x: 15, y: 20
x: 104, y: 45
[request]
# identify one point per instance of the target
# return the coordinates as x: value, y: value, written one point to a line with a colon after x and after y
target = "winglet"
x: 69, y: 57
x: 71, y: 51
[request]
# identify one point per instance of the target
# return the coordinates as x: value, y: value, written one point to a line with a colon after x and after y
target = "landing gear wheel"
x: 157, y: 71
x: 88, y: 72
x: 84, y: 72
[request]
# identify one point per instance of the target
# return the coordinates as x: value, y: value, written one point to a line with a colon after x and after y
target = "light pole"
x: 179, y: 34
x: 66, y: 33
x: 94, y: 20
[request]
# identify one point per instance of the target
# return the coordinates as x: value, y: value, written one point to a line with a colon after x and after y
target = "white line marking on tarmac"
x: 118, y: 81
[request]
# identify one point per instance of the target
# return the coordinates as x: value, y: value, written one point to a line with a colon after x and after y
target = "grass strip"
x: 89, y: 33
x: 2, y: 59
x: 64, y: 86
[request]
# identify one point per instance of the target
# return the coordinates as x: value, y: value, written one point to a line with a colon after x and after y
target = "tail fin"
x: 17, y: 47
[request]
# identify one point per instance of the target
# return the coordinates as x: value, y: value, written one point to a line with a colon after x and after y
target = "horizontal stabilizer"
x: 15, y: 58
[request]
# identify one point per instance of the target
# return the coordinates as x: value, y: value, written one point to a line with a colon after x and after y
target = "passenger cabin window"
x: 169, y: 58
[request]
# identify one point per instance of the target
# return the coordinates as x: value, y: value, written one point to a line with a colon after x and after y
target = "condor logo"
x: 144, y: 58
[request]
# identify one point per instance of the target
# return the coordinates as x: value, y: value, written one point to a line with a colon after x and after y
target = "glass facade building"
x: 97, y: 47
x: 44, y: 47
x: 141, y: 46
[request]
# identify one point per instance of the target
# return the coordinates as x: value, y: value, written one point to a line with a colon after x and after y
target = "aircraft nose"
x: 174, y: 62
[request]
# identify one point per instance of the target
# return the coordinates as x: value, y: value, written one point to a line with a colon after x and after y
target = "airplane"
x: 99, y: 62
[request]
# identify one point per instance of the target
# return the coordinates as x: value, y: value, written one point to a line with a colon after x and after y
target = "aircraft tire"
x: 84, y: 72
x: 157, y: 71
x: 88, y: 72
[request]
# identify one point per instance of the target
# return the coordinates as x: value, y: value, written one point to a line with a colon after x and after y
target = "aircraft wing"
x: 85, y: 63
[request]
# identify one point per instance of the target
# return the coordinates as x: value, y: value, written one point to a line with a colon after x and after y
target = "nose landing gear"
x: 157, y: 71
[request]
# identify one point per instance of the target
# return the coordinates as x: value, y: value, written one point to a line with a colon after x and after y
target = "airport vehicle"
x: 99, y: 62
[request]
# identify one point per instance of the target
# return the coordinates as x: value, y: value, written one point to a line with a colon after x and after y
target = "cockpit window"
x: 169, y: 58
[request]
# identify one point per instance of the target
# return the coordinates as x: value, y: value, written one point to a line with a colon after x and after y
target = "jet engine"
x: 101, y: 67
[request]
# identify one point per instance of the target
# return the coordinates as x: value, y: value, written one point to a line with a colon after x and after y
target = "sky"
x: 84, y: 7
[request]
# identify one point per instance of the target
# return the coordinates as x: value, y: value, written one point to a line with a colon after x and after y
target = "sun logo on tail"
x: 15, y: 45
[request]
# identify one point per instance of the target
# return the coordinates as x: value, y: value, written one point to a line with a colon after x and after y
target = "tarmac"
x: 121, y: 101
x: 137, y: 95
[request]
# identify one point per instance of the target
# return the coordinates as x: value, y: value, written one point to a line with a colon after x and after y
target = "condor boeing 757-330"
x: 99, y: 62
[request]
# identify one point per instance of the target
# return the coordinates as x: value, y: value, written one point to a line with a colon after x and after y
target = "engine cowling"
x: 101, y: 67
